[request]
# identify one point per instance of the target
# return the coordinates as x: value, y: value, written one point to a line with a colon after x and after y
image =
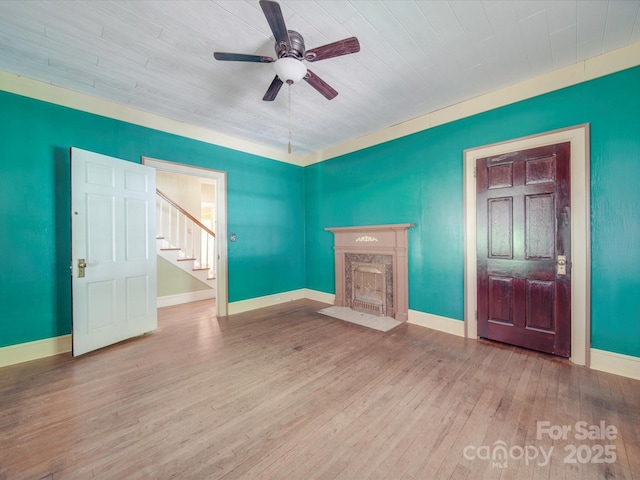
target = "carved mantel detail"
x: 391, y: 240
x: 366, y: 238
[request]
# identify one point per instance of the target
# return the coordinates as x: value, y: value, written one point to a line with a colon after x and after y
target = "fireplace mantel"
x: 391, y: 240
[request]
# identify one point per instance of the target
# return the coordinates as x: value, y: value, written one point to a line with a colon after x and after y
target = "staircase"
x: 184, y: 241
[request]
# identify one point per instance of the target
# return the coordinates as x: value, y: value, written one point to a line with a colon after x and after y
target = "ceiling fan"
x: 290, y: 50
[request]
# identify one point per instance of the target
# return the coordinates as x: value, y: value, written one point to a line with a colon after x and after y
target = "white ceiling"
x: 416, y: 57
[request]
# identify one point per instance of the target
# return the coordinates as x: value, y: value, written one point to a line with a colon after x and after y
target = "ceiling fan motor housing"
x: 296, y: 49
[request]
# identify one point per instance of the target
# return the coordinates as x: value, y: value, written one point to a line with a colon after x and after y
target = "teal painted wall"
x: 419, y: 179
x: 279, y: 211
x: 265, y: 210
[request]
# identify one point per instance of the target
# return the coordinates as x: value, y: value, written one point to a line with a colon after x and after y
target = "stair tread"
x: 170, y: 248
x: 184, y: 259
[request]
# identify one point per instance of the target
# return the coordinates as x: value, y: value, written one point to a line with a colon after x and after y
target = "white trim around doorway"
x: 222, y: 288
x: 580, y: 230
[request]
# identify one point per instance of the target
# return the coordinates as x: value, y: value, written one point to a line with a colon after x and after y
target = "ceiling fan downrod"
x: 289, y: 146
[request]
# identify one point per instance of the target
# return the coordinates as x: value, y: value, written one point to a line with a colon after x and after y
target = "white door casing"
x: 113, y: 231
x: 578, y: 136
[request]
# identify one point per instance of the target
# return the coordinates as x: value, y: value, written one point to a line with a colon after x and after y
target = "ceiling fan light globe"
x: 290, y: 70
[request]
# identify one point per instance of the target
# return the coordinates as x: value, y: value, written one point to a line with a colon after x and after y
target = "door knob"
x: 562, y: 265
x: 81, y: 266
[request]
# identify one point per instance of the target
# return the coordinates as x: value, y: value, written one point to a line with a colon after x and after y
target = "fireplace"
x: 371, y: 269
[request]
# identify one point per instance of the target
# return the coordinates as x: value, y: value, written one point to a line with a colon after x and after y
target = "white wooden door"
x: 113, y: 234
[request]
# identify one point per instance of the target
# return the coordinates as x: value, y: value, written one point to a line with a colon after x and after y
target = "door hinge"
x: 475, y: 172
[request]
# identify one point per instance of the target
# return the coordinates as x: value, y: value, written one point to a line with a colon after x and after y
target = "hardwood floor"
x: 287, y: 393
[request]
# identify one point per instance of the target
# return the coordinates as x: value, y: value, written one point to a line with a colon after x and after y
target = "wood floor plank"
x: 287, y: 393
x: 442, y: 425
x: 355, y: 408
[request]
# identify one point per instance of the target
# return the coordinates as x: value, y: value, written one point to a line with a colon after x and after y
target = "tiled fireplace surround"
x: 371, y: 269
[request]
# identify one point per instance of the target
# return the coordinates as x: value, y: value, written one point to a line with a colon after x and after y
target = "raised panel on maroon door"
x: 501, y: 299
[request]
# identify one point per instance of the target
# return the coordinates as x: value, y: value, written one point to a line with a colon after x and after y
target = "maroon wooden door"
x: 523, y: 231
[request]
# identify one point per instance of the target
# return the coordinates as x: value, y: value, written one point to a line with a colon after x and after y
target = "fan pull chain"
x: 289, y: 147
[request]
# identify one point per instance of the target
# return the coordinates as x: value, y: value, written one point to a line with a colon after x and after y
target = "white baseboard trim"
x: 436, y: 322
x: 266, y: 301
x: 24, y: 352
x: 319, y: 296
x: 616, y: 363
x: 180, y: 298
x: 610, y: 362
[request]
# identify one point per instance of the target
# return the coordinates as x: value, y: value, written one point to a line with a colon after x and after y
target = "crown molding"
x: 47, y: 92
x: 583, y: 71
x: 615, y: 61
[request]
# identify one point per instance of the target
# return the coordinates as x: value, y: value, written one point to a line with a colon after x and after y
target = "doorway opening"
x: 213, y: 207
x: 578, y: 137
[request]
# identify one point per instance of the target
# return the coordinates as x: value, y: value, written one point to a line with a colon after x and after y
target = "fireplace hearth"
x: 371, y: 269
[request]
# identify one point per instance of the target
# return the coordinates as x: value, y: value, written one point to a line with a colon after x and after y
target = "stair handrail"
x: 185, y: 213
x: 178, y: 235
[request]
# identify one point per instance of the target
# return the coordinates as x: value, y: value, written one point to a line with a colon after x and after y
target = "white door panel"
x: 113, y: 231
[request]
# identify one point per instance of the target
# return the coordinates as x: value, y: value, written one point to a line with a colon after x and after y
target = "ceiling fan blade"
x: 241, y: 57
x: 273, y: 90
x: 335, y: 49
x: 320, y: 85
x: 276, y: 21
